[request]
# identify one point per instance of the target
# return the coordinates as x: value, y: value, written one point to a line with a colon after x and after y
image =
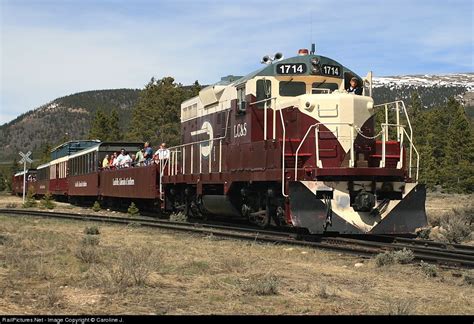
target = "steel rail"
x: 440, y: 253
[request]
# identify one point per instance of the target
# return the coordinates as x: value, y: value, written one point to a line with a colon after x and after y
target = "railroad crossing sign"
x: 24, y: 158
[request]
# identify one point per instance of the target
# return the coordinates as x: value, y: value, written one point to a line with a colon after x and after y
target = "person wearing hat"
x: 355, y: 88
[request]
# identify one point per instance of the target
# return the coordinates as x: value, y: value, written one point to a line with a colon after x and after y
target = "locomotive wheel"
x: 192, y: 210
x: 263, y: 220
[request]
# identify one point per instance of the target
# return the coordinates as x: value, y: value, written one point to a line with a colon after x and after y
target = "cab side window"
x: 264, y: 91
x: 241, y: 104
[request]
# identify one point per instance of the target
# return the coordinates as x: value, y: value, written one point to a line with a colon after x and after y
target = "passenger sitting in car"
x: 112, y: 159
x: 105, y: 162
x: 126, y: 160
x: 355, y: 88
x: 118, y: 162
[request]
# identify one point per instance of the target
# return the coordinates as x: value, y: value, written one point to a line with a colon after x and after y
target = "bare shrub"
x: 390, y: 257
x: 454, y: 226
x: 468, y: 278
x: 130, y: 267
x: 430, y: 270
x: 400, y: 307
x: 4, y: 239
x: 26, y: 264
x: 265, y: 285
x: 90, y: 240
x: 383, y: 259
x: 457, y: 227
x: 92, y: 230
x: 231, y: 264
x: 323, y: 291
x: 88, y: 254
x: 403, y: 256
x: 140, y: 262
x: 11, y: 205
x: 88, y: 251
x: 52, y: 296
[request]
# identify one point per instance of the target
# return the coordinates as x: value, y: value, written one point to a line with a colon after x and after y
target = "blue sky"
x: 58, y: 47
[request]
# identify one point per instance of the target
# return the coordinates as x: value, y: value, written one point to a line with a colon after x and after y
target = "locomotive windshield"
x: 292, y: 88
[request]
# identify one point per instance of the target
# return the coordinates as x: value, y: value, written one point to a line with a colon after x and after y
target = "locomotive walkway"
x: 443, y: 254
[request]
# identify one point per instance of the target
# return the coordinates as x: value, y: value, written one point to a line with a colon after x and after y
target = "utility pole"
x: 24, y: 158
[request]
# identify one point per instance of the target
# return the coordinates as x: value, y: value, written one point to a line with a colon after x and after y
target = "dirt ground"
x: 51, y: 266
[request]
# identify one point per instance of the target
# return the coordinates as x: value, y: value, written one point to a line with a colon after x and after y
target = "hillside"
x: 70, y: 117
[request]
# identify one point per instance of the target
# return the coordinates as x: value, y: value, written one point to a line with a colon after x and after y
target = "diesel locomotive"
x: 285, y: 145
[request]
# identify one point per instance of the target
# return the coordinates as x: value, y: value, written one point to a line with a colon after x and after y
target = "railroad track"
x: 445, y: 254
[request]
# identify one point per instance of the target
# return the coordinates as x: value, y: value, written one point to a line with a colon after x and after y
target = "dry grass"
x: 451, y: 218
x: 145, y: 271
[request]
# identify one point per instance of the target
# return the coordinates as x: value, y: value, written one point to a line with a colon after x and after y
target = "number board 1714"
x: 291, y: 68
x: 333, y: 70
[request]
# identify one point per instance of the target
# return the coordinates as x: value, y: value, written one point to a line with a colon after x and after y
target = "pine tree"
x: 100, y: 128
x: 459, y: 150
x: 194, y: 90
x: 45, y: 153
x: 30, y: 200
x: 115, y: 133
x: 3, y: 184
x: 156, y: 117
x: 416, y: 117
x: 14, y: 166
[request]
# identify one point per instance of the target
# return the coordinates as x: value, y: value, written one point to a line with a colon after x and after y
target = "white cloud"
x: 60, y: 49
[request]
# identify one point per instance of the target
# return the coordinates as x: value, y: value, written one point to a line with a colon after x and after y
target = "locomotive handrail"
x: 318, y: 161
x: 265, y: 116
x: 384, y: 141
x: 283, y: 155
x: 175, y: 150
x: 417, y: 158
x: 398, y: 104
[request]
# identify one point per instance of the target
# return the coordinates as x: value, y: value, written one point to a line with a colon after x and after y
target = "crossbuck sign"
x: 24, y: 159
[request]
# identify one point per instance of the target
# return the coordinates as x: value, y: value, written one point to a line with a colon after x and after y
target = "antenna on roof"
x: 313, y: 46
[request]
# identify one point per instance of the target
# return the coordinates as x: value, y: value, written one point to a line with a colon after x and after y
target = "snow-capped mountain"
x: 432, y: 89
x: 465, y: 80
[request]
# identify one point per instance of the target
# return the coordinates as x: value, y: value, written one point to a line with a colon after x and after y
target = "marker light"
x: 303, y: 52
